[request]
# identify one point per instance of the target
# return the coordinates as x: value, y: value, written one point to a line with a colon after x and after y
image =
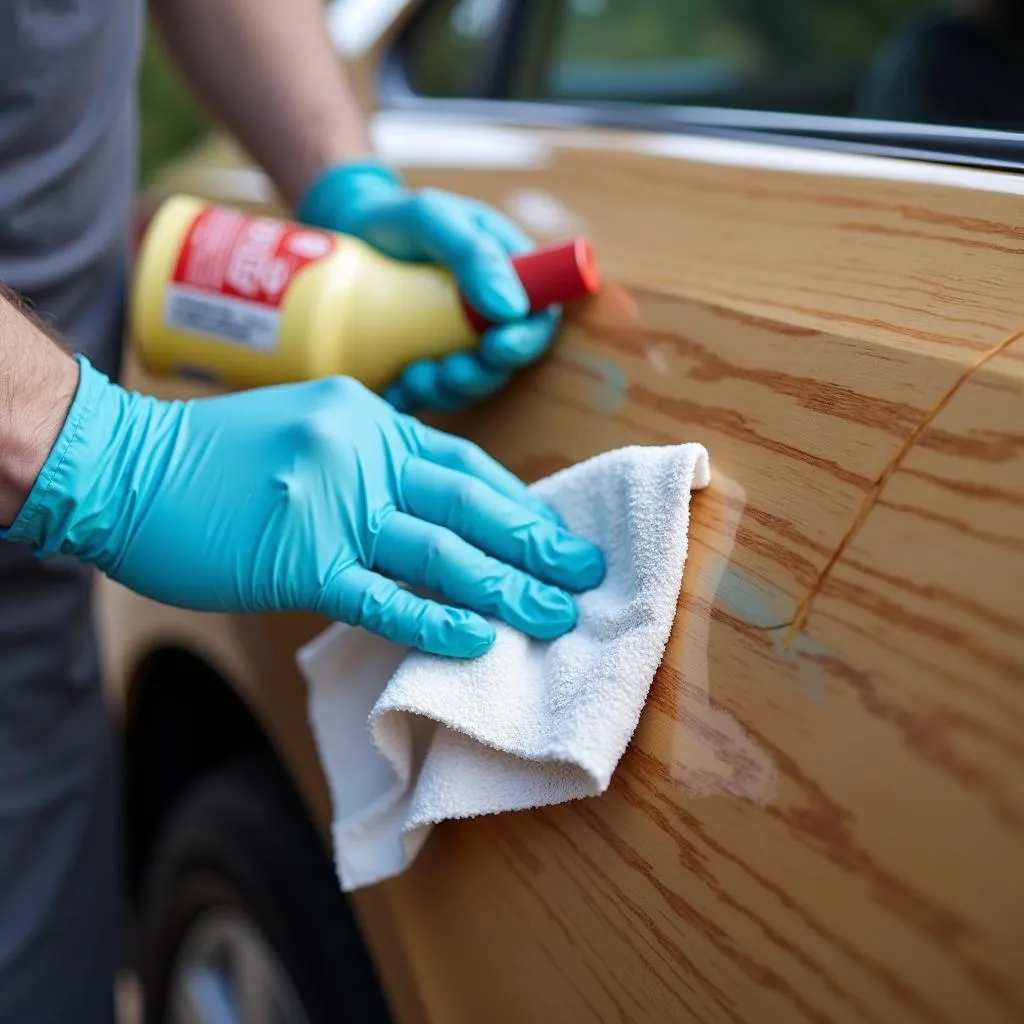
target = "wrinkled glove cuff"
x: 50, y: 504
x: 114, y: 444
x: 338, y: 194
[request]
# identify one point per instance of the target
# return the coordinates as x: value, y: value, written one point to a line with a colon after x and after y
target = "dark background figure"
x: 963, y: 67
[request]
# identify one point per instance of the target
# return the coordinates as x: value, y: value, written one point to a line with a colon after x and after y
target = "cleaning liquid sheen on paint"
x: 250, y: 300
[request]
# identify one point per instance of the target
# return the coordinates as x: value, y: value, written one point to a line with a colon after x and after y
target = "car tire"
x: 241, y: 854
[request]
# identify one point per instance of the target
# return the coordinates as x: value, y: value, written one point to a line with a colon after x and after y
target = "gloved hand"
x: 473, y: 240
x: 314, y: 496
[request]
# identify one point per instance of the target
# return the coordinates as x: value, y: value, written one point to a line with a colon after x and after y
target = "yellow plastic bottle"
x: 249, y: 300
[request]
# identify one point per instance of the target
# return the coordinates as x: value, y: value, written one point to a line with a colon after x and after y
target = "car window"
x: 937, y: 62
x: 448, y: 42
x: 945, y: 62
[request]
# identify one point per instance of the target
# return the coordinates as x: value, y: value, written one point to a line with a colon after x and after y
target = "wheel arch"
x: 182, y: 720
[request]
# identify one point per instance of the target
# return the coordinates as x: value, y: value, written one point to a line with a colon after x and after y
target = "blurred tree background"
x: 171, y: 120
x: 680, y: 29
x: 807, y: 56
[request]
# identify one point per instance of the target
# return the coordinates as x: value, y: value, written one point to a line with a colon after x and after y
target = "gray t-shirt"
x: 67, y: 148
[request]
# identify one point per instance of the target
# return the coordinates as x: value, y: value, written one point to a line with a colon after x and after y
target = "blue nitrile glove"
x: 370, y: 201
x: 313, y: 496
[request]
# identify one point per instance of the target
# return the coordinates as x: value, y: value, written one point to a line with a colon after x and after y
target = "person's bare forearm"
x: 37, y: 384
x: 268, y: 70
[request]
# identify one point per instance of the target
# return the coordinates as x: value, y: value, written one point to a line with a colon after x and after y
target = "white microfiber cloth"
x: 409, y: 739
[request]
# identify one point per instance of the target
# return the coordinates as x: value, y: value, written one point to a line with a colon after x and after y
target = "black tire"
x: 242, y: 839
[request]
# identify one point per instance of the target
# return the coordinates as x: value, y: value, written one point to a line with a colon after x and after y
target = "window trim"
x: 971, y: 147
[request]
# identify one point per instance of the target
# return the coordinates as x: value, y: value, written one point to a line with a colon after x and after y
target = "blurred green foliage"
x: 680, y: 29
x: 170, y: 119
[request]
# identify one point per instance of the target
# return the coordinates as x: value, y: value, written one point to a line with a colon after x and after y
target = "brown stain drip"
x: 803, y: 609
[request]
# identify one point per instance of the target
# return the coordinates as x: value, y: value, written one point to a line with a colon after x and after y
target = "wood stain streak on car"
x: 558, y: 965
x: 927, y: 236
x: 597, y: 968
x: 969, y: 225
x: 698, y: 869
x: 890, y: 468
x: 854, y: 322
x: 735, y: 425
x: 956, y: 602
x: 712, y: 752
x: 512, y: 859
x: 592, y: 889
x: 809, y: 193
x: 785, y: 528
x: 1002, y: 540
x: 598, y: 974
x: 1006, y: 713
x: 1006, y: 717
x: 688, y: 918
x: 826, y: 827
x: 929, y: 738
x: 820, y: 396
x: 949, y: 634
x: 588, y: 887
x: 989, y: 447
x: 644, y: 433
x: 968, y: 489
x: 1010, y: 743
x: 890, y: 305
x: 800, y: 568
x: 720, y: 854
x: 773, y: 326
x: 947, y: 291
x: 629, y: 859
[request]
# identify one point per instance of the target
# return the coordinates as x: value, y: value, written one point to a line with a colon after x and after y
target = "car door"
x: 813, y: 240
x: 810, y: 216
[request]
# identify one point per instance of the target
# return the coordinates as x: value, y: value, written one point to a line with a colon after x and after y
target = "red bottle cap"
x: 551, y: 276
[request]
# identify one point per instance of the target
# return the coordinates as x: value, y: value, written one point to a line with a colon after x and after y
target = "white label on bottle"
x: 217, y: 316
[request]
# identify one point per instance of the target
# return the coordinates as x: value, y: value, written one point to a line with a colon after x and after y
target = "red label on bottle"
x: 233, y: 272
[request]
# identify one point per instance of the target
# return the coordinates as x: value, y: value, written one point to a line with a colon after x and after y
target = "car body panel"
x: 821, y: 816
